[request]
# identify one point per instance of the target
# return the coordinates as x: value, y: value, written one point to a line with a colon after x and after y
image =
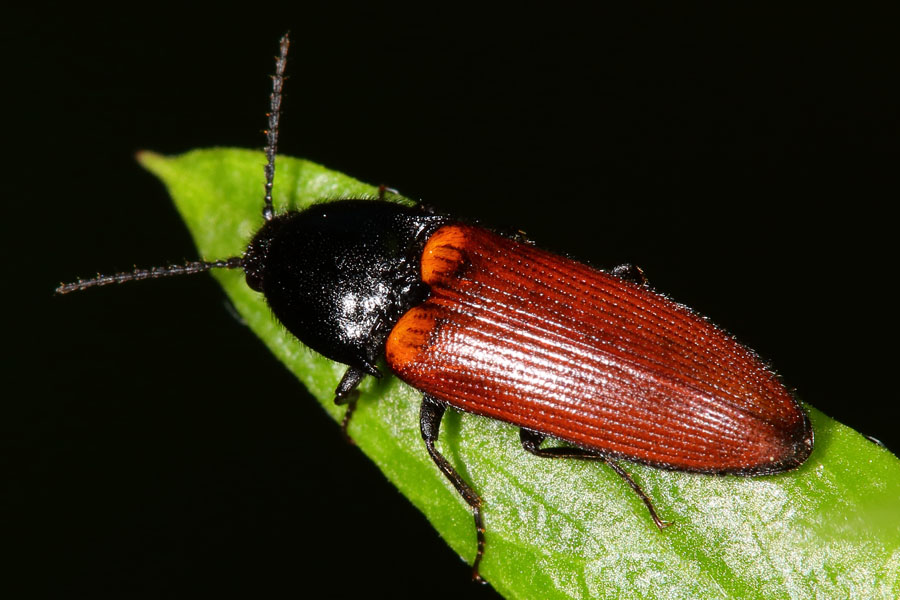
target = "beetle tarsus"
x: 430, y: 424
x: 532, y: 440
x: 345, y: 422
x: 479, y: 552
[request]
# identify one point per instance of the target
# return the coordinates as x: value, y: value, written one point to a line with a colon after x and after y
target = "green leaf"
x: 571, y: 529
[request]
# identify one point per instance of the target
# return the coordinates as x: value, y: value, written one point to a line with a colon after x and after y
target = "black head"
x: 339, y: 274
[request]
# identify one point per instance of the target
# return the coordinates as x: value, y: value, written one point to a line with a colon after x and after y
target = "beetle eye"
x: 253, y: 263
x: 257, y: 254
x: 254, y: 281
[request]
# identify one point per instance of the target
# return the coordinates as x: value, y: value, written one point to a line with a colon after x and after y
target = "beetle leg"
x: 384, y: 190
x: 531, y: 441
x: 430, y: 423
x: 637, y: 490
x: 630, y: 272
x: 346, y: 393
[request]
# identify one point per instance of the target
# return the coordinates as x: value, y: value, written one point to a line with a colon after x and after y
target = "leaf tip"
x: 152, y: 161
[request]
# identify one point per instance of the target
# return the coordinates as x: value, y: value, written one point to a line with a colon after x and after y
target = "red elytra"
x: 518, y: 334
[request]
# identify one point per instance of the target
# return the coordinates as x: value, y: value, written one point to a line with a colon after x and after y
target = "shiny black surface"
x: 338, y: 275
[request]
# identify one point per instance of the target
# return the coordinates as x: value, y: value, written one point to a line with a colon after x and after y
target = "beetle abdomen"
x: 528, y: 337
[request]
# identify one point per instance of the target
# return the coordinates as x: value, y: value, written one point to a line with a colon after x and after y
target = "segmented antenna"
x: 272, y: 132
x: 189, y: 268
x: 201, y: 266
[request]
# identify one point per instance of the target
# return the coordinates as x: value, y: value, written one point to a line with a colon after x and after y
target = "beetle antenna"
x: 188, y: 268
x: 272, y: 131
x: 201, y: 266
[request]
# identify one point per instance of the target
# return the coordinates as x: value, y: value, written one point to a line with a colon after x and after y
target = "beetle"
x: 492, y: 325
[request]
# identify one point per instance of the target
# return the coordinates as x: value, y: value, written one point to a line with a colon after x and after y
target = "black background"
x: 746, y: 160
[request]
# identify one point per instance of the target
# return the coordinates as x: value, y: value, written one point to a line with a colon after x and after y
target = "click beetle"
x: 492, y: 325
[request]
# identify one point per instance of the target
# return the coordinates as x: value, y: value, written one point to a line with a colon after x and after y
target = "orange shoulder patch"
x: 409, y: 337
x: 445, y: 253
